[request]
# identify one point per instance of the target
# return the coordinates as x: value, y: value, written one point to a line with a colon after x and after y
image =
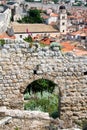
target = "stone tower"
x: 62, y: 20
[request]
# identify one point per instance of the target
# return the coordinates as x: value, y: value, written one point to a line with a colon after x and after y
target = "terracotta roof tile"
x: 21, y: 28
x: 67, y: 46
x: 4, y: 35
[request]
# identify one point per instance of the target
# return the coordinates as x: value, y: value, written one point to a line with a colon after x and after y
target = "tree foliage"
x: 47, y: 103
x: 33, y: 16
x: 55, y: 1
x: 40, y: 86
x: 40, y: 97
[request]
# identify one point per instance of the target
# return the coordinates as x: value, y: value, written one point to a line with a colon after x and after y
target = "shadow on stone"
x: 85, y: 127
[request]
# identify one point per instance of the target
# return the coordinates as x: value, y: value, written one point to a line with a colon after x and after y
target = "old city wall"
x: 20, y: 65
x: 24, y: 120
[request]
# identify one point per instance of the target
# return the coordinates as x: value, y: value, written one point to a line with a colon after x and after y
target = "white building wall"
x: 51, y: 19
x: 7, y: 14
x: 5, y: 20
x: 17, y: 17
x: 23, y: 35
x: 19, y: 1
x: 2, y: 22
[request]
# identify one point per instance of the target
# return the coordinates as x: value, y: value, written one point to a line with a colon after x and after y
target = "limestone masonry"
x: 21, y: 64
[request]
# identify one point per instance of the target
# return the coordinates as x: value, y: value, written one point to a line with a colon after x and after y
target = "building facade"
x: 5, y: 16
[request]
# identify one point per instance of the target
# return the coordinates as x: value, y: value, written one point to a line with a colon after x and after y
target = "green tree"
x: 40, y: 86
x: 55, y: 1
x: 41, y: 96
x: 47, y: 103
x: 33, y: 16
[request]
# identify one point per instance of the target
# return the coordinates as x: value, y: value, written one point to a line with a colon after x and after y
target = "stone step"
x: 5, y: 120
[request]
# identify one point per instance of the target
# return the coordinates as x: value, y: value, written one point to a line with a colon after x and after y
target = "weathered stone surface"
x: 17, y: 65
x: 31, y: 120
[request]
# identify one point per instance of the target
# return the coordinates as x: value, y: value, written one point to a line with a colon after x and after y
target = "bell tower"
x: 62, y: 20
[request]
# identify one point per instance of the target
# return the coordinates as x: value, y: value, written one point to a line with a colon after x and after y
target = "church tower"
x: 62, y: 20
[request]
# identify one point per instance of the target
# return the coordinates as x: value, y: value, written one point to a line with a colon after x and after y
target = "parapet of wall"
x: 24, y: 120
x: 21, y: 64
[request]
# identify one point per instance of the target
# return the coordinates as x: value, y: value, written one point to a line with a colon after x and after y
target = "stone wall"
x: 21, y: 64
x: 24, y: 120
x: 31, y: 120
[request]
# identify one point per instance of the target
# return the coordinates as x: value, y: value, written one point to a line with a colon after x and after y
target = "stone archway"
x: 36, y: 77
x: 48, y: 87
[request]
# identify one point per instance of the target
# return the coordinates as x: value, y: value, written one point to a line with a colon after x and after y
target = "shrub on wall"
x: 55, y: 44
x: 2, y: 42
x: 40, y: 95
x: 47, y: 103
x: 28, y: 39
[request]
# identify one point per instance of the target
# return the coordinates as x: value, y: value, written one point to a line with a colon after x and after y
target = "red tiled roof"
x: 46, y: 41
x: 79, y: 52
x: 4, y: 35
x: 67, y: 46
x: 82, y: 32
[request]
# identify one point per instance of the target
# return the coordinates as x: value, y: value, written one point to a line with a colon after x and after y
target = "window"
x: 63, y: 23
x: 83, y: 38
x: 20, y: 36
x: 63, y: 17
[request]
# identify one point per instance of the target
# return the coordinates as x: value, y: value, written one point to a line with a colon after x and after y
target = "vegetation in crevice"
x: 16, y: 128
x: 28, y: 39
x: 2, y: 42
x: 47, y: 103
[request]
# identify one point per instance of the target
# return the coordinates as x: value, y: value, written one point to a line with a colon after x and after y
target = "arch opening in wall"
x: 42, y: 95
